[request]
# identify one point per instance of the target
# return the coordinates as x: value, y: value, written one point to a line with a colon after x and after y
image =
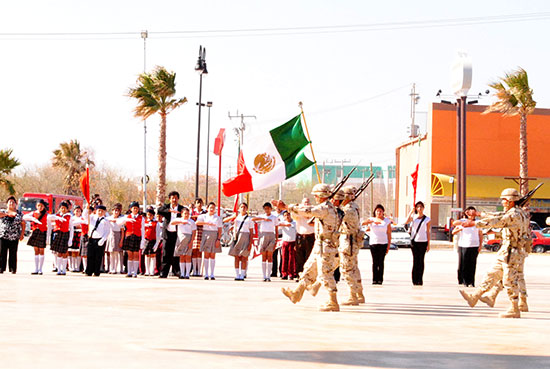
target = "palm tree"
x: 155, y: 94
x: 7, y: 164
x: 72, y: 160
x: 515, y: 97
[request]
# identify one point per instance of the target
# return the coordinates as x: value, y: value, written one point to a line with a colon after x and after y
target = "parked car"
x: 400, y: 237
x: 545, y: 232
x: 492, y: 245
x: 535, y: 226
x: 540, y: 243
x: 366, y: 243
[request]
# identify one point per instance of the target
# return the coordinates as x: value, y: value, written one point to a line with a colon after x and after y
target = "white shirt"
x: 103, y: 228
x: 302, y: 225
x: 468, y: 237
x: 186, y: 228
x: 171, y: 227
x: 115, y: 227
x: 266, y: 226
x: 245, y: 227
x: 379, y: 232
x: 422, y: 232
x: 289, y: 231
x: 210, y: 219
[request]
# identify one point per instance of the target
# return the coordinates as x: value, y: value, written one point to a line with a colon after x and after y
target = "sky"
x: 354, y: 82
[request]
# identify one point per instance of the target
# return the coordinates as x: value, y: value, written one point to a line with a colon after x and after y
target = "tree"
x: 72, y: 160
x: 7, y: 164
x: 515, y: 97
x: 155, y: 94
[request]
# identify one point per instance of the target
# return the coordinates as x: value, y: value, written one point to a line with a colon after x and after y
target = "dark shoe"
x: 39, y: 273
x: 285, y: 278
x: 269, y: 279
x: 206, y: 278
x: 181, y: 277
x: 128, y: 276
x: 34, y: 273
x: 163, y: 276
x: 212, y: 278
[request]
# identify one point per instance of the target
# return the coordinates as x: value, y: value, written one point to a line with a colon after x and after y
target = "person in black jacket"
x: 169, y: 234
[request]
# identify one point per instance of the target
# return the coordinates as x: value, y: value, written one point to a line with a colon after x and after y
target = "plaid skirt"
x: 76, y: 242
x: 84, y: 245
x: 38, y: 239
x: 149, y: 246
x: 240, y: 247
x: 60, y: 242
x: 131, y: 243
x: 198, y: 238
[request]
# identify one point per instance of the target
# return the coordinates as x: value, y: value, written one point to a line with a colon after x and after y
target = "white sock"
x: 147, y: 266
x: 238, y: 272
x: 243, y: 273
x: 85, y: 262
x: 269, y: 267
x: 152, y: 267
x: 194, y: 262
x: 136, y: 267
x: 187, y: 268
x: 58, y: 261
x: 206, y: 266
x: 182, y: 269
x: 199, y: 264
x: 264, y: 267
x: 40, y: 263
x: 36, y: 257
x: 77, y: 267
x: 212, y: 266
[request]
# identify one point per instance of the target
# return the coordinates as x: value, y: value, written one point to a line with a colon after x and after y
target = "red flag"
x: 85, y: 184
x: 241, y: 183
x: 218, y: 143
x: 414, y: 176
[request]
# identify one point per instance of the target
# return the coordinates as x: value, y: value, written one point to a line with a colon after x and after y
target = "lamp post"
x: 209, y: 105
x: 144, y: 35
x: 452, y: 182
x: 201, y: 68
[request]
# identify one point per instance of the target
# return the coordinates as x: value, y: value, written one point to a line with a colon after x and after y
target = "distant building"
x: 492, y: 154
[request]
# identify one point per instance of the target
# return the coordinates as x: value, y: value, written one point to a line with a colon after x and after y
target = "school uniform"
x: 39, y: 234
x: 169, y: 237
x: 100, y: 229
x: 197, y: 243
x: 184, y: 246
x: 113, y: 241
x: 152, y: 237
x: 267, y: 236
x: 210, y: 233
x: 133, y: 234
x: 241, y: 236
x: 62, y: 234
x: 288, y: 251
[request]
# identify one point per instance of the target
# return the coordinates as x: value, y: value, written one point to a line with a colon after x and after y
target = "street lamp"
x: 201, y: 68
x: 452, y: 182
x: 144, y: 35
x: 209, y: 105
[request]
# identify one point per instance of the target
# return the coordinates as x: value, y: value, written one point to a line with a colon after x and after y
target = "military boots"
x: 471, y: 298
x: 331, y: 304
x: 360, y: 297
x: 490, y: 298
x: 314, y: 288
x: 295, y: 295
x: 523, y: 307
x: 513, y: 311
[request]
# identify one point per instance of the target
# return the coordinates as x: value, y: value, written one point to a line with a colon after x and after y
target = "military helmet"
x: 349, y: 191
x: 321, y: 189
x: 338, y: 195
x: 510, y: 194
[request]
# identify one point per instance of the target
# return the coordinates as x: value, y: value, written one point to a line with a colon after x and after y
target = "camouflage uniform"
x: 350, y: 244
x: 515, y: 235
x: 323, y: 259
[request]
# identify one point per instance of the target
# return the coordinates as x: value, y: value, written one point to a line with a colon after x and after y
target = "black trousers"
x: 275, y: 269
x: 378, y: 252
x: 304, y: 245
x: 95, y: 257
x: 7, y: 246
x: 168, y: 259
x: 467, y: 261
x: 419, y: 251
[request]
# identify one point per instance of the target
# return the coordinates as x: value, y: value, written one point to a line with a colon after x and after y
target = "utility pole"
x: 372, y: 189
x: 144, y: 35
x: 414, y: 100
x: 239, y: 131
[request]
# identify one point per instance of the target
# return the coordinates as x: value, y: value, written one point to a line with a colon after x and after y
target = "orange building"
x: 492, y: 153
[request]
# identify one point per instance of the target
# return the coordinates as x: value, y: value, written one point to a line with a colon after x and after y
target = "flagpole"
x: 309, y: 139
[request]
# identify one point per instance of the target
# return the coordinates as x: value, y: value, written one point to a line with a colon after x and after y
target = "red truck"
x: 27, y: 203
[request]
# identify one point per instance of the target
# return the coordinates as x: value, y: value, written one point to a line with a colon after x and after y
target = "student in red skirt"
x: 74, y: 247
x: 152, y: 238
x: 62, y: 237
x: 134, y: 238
x: 40, y: 236
x: 196, y: 255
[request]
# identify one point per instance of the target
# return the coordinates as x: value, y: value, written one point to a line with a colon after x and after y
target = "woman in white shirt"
x: 379, y: 228
x: 210, y: 242
x: 469, y: 246
x: 420, y: 240
x: 242, y: 240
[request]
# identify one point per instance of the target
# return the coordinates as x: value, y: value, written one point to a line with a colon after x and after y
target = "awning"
x: 484, y: 186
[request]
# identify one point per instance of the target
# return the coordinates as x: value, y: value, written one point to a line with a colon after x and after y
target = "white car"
x: 400, y: 237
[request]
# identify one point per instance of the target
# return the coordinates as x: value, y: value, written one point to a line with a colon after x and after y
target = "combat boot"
x: 314, y: 288
x: 471, y: 298
x: 490, y: 298
x: 331, y: 304
x: 360, y: 297
x: 513, y: 311
x: 295, y: 295
x: 523, y: 304
x: 352, y: 301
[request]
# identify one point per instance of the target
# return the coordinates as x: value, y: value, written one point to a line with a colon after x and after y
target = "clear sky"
x: 354, y: 84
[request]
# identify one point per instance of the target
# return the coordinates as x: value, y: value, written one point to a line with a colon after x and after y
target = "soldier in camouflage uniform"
x: 323, y: 260
x: 516, y: 234
x: 350, y: 244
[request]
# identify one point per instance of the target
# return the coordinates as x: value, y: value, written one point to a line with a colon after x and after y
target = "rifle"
x: 525, y: 199
x: 364, y: 186
x: 341, y: 183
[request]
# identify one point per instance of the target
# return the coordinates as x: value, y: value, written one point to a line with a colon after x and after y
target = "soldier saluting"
x: 324, y: 256
x: 516, y: 236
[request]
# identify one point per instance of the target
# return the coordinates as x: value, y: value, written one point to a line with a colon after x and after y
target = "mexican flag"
x: 270, y: 158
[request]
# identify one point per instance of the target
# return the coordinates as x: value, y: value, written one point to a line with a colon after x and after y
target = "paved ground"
x: 114, y: 322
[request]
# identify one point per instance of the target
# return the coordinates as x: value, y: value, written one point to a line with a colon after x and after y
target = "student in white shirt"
x: 184, y: 246
x: 242, y: 240
x: 469, y: 245
x: 288, y: 248
x: 268, y: 228
x: 420, y: 240
x: 99, y: 230
x: 114, y: 243
x: 210, y: 242
x: 379, y: 228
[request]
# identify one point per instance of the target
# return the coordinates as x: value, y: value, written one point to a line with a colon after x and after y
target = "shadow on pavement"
x: 392, y: 359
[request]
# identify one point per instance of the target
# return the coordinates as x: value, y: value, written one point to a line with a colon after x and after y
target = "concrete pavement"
x: 75, y: 321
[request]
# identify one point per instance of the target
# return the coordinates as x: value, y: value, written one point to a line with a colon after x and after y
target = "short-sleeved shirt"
x: 289, y: 232
x: 268, y: 227
x: 379, y: 232
x: 245, y: 227
x: 187, y: 228
x: 210, y: 219
x: 10, y: 227
x: 468, y: 237
x: 303, y: 226
x: 422, y: 232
